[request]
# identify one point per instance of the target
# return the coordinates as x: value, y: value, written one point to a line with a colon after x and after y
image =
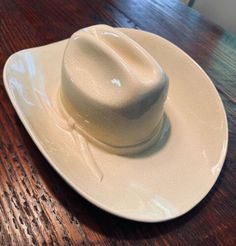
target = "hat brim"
x: 162, y: 183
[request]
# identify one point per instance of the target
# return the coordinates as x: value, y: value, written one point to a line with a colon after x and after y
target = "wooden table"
x: 36, y: 205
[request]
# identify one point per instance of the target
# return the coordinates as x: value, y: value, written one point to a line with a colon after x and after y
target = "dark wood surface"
x: 36, y: 206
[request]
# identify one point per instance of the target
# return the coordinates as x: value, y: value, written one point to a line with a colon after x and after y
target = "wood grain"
x: 36, y: 206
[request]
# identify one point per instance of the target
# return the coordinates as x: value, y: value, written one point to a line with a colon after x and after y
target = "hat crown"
x: 112, y: 87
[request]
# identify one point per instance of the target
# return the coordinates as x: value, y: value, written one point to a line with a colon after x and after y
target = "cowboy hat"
x: 162, y: 182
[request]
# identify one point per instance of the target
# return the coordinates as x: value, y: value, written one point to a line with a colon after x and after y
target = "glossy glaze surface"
x: 162, y: 183
x: 113, y: 90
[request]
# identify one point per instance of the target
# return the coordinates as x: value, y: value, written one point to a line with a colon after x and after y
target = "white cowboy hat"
x: 162, y: 182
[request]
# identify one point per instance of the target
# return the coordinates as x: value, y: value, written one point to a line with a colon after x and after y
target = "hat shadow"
x: 98, y: 221
x: 160, y: 143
